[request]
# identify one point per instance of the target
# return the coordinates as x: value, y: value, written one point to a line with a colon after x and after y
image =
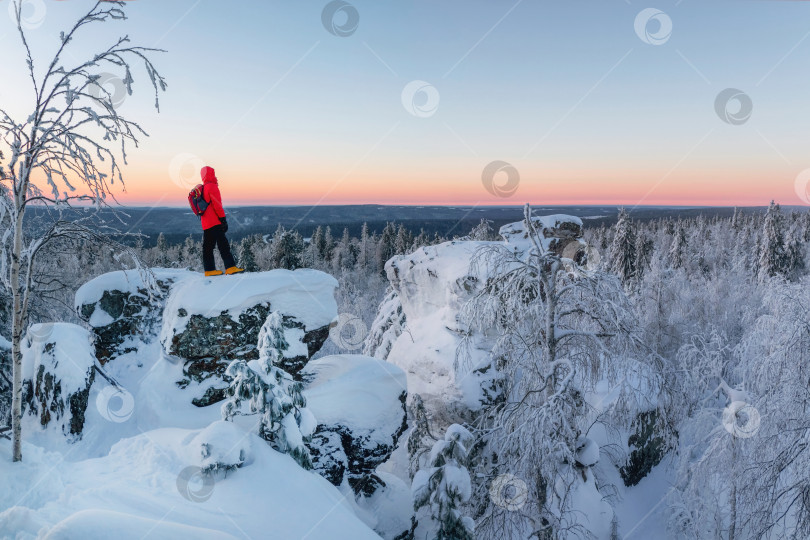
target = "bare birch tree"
x: 69, y: 149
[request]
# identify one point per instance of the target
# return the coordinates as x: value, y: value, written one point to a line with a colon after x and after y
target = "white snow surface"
x: 308, y: 294
x: 356, y: 391
x: 140, y: 482
x: 70, y: 359
x: 128, y: 281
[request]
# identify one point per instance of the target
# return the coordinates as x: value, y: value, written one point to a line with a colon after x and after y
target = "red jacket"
x: 211, y: 194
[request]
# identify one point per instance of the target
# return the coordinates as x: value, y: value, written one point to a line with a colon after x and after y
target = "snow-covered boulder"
x: 417, y: 327
x: 209, y: 322
x: 124, y: 307
x: 389, y: 510
x: 557, y: 232
x: 220, y: 448
x: 58, y: 371
x: 359, y: 403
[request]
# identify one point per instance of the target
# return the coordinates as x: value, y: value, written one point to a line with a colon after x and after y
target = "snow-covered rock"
x: 587, y: 452
x: 208, y: 322
x: 221, y: 447
x: 57, y: 370
x: 430, y: 286
x: 389, y: 510
x: 557, y: 231
x: 359, y: 403
x: 124, y: 307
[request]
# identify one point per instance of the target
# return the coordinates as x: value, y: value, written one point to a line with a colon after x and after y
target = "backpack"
x: 196, y: 200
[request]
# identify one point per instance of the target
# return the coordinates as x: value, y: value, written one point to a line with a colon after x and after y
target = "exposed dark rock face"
x: 207, y: 345
x: 340, y: 451
x: 44, y: 398
x: 560, y: 231
x: 134, y: 314
x: 648, y: 444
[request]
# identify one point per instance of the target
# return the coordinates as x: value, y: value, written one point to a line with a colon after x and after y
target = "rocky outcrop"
x: 557, y: 231
x: 58, y: 371
x: 209, y: 322
x: 648, y: 446
x: 359, y: 403
x: 125, y: 307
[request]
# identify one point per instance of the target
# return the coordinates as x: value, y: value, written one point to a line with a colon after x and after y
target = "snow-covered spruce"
x: 271, y: 392
x: 124, y: 308
x: 444, y: 486
x: 387, y: 327
x: 58, y: 371
x: 208, y: 323
x: 359, y: 403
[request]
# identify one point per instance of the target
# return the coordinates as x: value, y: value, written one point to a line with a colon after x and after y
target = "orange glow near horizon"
x: 554, y: 187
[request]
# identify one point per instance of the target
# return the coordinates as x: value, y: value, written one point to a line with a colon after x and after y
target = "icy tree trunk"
x: 16, y: 336
x: 549, y: 281
x: 733, y: 517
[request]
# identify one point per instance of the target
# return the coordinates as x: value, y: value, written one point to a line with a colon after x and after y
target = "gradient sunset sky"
x: 570, y: 93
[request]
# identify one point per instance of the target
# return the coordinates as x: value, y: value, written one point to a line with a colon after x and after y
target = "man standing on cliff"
x: 215, y: 225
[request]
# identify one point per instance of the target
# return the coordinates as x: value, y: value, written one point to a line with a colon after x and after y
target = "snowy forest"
x: 555, y: 378
x: 676, y: 368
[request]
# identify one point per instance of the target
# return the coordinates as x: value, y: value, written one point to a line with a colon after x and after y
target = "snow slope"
x: 142, y: 482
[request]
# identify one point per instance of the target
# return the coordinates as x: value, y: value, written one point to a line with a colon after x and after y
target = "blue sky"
x: 566, y: 91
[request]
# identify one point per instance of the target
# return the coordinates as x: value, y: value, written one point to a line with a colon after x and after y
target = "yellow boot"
x: 210, y: 273
x: 234, y: 270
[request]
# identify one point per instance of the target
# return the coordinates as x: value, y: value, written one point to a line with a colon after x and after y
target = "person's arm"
x: 215, y: 199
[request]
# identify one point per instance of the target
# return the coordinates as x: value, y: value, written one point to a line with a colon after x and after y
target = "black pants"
x: 211, y: 237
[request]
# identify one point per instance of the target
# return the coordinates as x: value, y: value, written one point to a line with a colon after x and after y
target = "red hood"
x: 208, y: 175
